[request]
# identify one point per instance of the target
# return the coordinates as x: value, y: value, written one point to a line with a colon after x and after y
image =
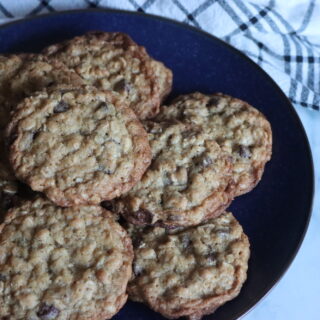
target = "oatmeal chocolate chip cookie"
x: 113, y: 61
x: 78, y: 146
x: 240, y: 130
x: 62, y: 263
x: 37, y: 73
x: 189, y: 179
x: 189, y: 271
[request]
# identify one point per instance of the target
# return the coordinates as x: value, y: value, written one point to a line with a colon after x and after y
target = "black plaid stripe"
x: 260, y: 56
x: 305, y: 91
x: 143, y: 7
x: 286, y: 44
x: 288, y: 59
x: 190, y: 17
x: 253, y: 20
x: 43, y: 4
x: 232, y: 14
x: 93, y: 3
x: 316, y: 102
x: 310, y: 60
x: 136, y: 6
x: 307, y: 17
x: 5, y: 12
x: 148, y: 4
x: 308, y: 105
x: 298, y: 55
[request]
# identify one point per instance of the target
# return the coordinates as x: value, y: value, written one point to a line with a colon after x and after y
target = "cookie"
x: 77, y: 146
x: 113, y: 61
x: 62, y: 263
x: 189, y: 179
x: 189, y: 271
x: 240, y: 130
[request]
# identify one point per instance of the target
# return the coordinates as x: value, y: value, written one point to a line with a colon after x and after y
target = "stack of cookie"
x: 82, y: 125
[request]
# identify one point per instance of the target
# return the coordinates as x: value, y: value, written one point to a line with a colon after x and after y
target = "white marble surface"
x: 297, y: 295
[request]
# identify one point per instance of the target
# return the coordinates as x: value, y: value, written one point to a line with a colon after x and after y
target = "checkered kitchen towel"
x: 282, y: 36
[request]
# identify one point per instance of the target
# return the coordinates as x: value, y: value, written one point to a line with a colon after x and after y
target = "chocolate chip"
x: 244, y: 152
x: 107, y: 205
x: 2, y: 277
x: 62, y: 106
x: 122, y: 86
x: 47, y: 312
x: 143, y: 216
x: 213, y: 102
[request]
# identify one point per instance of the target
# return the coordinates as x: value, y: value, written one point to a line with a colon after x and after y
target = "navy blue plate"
x: 276, y: 213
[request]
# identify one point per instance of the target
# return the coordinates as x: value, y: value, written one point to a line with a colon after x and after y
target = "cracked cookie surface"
x: 189, y: 271
x: 62, y: 263
x: 240, y: 130
x: 77, y: 146
x: 113, y: 61
x: 188, y: 181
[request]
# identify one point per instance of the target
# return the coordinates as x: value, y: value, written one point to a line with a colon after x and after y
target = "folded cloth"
x: 282, y: 36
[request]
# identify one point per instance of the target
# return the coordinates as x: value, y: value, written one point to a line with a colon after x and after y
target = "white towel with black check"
x: 282, y: 36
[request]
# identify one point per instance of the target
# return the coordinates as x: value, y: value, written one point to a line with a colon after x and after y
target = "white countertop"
x: 297, y: 294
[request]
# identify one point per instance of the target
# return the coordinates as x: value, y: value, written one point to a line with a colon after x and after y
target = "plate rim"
x: 255, y: 301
